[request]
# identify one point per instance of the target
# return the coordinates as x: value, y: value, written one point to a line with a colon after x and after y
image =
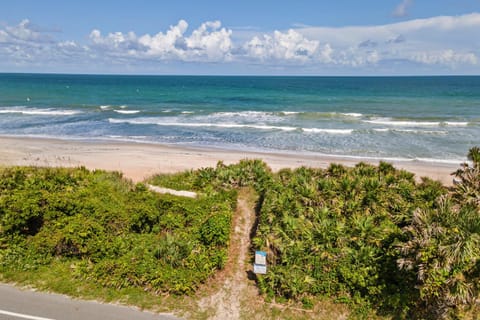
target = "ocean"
x: 434, y: 119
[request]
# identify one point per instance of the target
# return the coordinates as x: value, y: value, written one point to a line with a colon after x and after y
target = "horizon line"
x: 246, y: 75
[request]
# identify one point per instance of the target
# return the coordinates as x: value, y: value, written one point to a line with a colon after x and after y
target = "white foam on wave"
x: 399, y: 123
x: 395, y: 159
x: 289, y: 113
x: 105, y: 107
x: 329, y: 131
x: 39, y: 112
x: 411, y: 131
x: 242, y: 114
x: 442, y: 161
x: 128, y: 138
x: 456, y: 123
x: 353, y: 114
x: 127, y: 111
x: 199, y: 124
x: 187, y: 112
x: 155, y: 121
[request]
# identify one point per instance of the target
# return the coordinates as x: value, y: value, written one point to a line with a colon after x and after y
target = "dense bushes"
x: 110, y: 231
x: 369, y: 236
x: 332, y: 232
x: 373, y: 237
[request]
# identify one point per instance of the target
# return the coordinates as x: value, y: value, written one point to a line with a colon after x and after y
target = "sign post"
x: 260, y: 265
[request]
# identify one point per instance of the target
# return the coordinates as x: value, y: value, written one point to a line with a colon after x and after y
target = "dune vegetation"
x: 370, y: 237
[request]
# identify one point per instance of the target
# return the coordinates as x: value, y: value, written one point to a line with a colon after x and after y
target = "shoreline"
x: 138, y: 161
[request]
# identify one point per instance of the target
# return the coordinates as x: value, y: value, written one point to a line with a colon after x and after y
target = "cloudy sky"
x: 301, y: 37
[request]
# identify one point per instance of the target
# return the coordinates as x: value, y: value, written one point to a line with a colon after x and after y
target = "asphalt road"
x: 17, y: 304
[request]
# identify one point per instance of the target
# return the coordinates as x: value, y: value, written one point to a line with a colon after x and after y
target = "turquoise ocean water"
x: 411, y: 118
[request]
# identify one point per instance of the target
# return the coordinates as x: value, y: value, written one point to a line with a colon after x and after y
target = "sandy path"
x: 226, y: 302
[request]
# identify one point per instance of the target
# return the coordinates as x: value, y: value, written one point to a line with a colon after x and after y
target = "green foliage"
x: 251, y: 173
x: 334, y: 232
x: 443, y: 250
x: 113, y: 232
x: 467, y: 189
x: 369, y: 236
x: 215, y: 231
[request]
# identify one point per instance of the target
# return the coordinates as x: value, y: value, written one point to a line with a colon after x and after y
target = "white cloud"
x: 402, y: 9
x: 114, y: 41
x: 445, y: 57
x: 165, y: 45
x: 445, y: 40
x: 209, y: 42
x: 23, y: 32
x: 448, y: 42
x: 288, y: 46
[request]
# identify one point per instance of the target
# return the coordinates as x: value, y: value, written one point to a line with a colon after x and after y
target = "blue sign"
x: 260, y: 265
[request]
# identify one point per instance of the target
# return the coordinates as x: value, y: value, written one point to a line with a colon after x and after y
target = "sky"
x: 241, y: 37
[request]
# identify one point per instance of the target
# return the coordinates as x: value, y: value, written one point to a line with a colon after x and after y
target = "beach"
x: 138, y: 161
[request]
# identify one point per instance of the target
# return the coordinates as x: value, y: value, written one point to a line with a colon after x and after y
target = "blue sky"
x: 342, y: 37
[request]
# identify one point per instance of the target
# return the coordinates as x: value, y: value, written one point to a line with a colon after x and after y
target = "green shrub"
x: 112, y: 232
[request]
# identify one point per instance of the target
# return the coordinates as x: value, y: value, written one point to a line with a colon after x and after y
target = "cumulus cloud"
x: 289, y: 46
x: 209, y: 42
x: 445, y: 41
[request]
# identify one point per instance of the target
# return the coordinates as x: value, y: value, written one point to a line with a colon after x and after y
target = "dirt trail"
x: 226, y: 302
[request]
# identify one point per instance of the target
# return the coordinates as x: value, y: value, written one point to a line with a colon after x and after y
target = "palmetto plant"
x: 467, y: 189
x: 443, y: 250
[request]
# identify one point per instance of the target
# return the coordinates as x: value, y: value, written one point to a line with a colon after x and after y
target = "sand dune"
x: 138, y: 161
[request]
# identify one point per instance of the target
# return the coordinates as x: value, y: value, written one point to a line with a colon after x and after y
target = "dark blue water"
x: 426, y: 118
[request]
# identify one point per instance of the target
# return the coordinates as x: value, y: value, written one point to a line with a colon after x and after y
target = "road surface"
x: 18, y: 304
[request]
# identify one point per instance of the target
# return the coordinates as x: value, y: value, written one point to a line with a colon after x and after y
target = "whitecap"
x: 400, y: 123
x: 410, y: 131
x: 127, y: 111
x: 39, y: 112
x: 456, y: 124
x: 353, y: 114
x: 242, y: 114
x: 200, y: 124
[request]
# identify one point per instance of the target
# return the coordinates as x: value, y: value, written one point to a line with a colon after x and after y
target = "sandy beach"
x: 138, y: 161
